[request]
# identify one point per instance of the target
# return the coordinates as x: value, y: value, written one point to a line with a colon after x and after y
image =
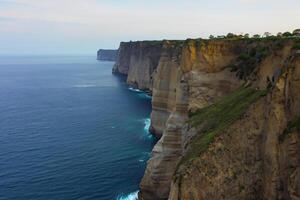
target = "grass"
x: 214, y: 119
x: 292, y: 126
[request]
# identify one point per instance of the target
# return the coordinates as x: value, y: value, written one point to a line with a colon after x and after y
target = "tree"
x: 246, y: 35
x: 287, y: 34
x: 231, y: 35
x: 211, y: 37
x: 279, y: 34
x: 256, y: 36
x: 267, y: 34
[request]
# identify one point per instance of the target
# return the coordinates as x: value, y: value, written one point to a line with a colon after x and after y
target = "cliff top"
x: 230, y: 37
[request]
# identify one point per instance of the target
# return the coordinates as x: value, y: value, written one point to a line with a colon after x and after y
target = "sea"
x: 70, y: 129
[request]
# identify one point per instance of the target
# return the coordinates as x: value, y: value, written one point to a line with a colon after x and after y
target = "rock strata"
x: 138, y: 60
x: 257, y: 155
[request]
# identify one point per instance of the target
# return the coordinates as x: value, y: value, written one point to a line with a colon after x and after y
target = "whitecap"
x: 134, y: 90
x: 85, y: 85
x: 131, y: 196
x: 147, y: 123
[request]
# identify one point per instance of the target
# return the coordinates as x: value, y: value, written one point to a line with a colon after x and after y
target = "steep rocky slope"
x: 256, y: 157
x: 138, y: 60
x: 215, y: 146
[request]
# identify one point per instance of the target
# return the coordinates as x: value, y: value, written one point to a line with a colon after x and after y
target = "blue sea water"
x: 69, y: 129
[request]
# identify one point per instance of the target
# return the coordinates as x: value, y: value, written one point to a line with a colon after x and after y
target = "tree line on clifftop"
x: 295, y: 33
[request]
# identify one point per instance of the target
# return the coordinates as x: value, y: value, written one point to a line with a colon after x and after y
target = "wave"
x: 141, y: 93
x: 131, y: 196
x: 144, y: 157
x: 134, y: 90
x: 145, y: 95
x: 147, y: 123
x: 85, y: 85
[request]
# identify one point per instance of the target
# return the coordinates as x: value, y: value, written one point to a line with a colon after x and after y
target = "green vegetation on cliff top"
x: 250, y: 58
x: 215, y: 119
x: 249, y: 40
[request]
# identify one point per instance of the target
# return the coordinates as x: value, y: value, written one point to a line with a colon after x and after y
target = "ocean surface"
x: 69, y: 129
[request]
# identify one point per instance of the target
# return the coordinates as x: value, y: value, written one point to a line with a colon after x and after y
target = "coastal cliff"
x: 138, y: 60
x: 227, y: 114
x: 107, y: 54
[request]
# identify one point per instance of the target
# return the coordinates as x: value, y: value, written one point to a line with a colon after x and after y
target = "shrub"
x: 231, y: 35
x: 287, y: 34
x: 256, y: 36
x: 249, y: 60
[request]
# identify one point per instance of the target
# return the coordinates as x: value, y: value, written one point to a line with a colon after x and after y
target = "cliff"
x: 253, y: 156
x: 227, y: 112
x: 138, y: 60
x: 107, y: 54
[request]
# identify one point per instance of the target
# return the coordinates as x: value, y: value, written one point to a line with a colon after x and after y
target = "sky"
x: 82, y: 26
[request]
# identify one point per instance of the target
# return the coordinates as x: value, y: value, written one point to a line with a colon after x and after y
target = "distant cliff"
x: 227, y: 112
x: 107, y: 54
x: 138, y: 60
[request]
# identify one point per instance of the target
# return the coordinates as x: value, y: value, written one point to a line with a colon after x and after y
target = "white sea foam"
x: 135, y: 90
x: 85, y: 85
x: 131, y: 196
x: 144, y: 157
x: 147, y: 123
x: 145, y: 95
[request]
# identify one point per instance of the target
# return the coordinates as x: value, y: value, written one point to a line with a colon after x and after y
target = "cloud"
x: 100, y: 21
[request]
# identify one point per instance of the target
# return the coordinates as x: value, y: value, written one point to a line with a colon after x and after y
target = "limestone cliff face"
x: 190, y: 75
x: 138, y: 60
x: 257, y: 156
x: 165, y: 80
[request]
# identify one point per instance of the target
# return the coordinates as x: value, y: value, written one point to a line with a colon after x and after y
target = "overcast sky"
x: 83, y: 26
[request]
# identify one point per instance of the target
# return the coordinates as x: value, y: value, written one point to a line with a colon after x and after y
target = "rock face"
x: 107, y: 54
x: 257, y: 156
x: 189, y: 76
x: 138, y: 60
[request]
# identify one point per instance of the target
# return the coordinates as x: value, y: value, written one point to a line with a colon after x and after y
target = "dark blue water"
x: 69, y: 129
